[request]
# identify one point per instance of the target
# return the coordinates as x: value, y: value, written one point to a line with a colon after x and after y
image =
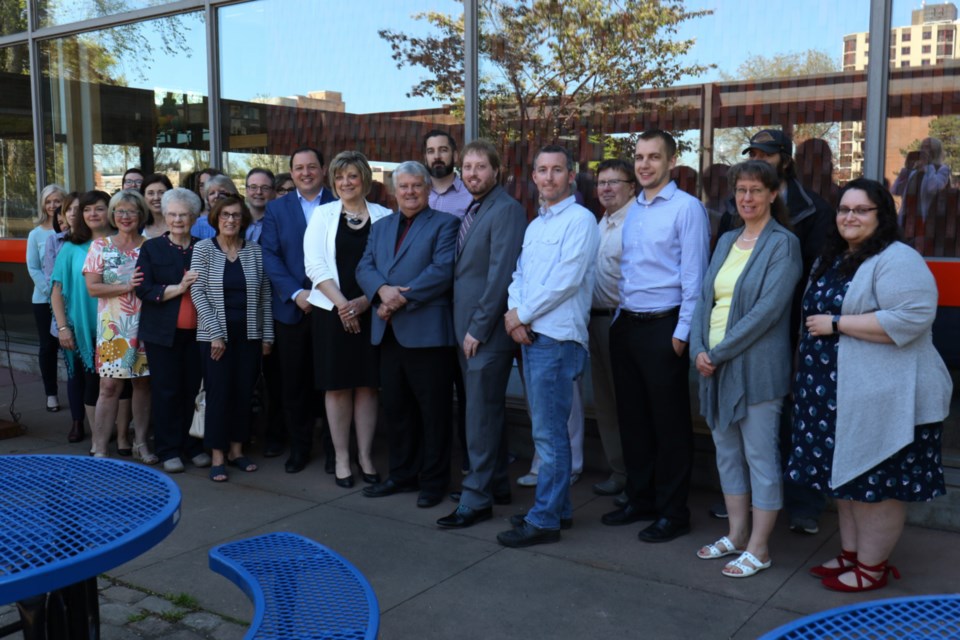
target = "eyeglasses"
x: 265, y: 188
x: 125, y: 213
x: 132, y: 183
x: 742, y: 191
x: 230, y: 215
x: 859, y: 211
x: 178, y: 216
x: 611, y: 183
x: 284, y: 191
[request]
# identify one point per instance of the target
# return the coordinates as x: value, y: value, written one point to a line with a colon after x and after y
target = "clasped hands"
x: 391, y: 300
x: 350, y: 312
x: 520, y: 332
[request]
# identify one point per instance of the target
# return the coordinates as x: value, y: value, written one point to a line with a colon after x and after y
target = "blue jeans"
x: 550, y: 367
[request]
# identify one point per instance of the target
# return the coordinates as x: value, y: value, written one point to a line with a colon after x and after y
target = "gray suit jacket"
x: 424, y: 262
x: 484, y: 269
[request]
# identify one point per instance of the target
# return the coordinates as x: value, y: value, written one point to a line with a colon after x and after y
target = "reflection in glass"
x: 52, y: 12
x: 18, y: 189
x: 129, y: 96
x: 13, y: 17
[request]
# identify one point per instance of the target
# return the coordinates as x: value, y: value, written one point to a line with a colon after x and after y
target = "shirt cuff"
x: 293, y: 298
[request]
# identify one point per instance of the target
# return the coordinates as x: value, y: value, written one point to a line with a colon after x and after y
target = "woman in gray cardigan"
x: 740, y: 344
x: 871, y: 392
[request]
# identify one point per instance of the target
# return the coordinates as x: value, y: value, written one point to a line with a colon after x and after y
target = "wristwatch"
x: 836, y: 324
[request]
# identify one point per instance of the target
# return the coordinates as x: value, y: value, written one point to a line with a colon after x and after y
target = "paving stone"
x: 151, y: 627
x: 117, y: 633
x: 229, y: 631
x: 119, y: 593
x: 156, y: 604
x: 202, y: 621
x: 117, y: 613
x: 183, y: 634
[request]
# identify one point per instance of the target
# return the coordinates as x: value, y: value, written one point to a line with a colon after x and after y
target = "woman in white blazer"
x: 346, y: 365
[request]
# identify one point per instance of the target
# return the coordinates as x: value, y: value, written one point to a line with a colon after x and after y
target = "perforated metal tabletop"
x: 916, y: 618
x: 64, y: 519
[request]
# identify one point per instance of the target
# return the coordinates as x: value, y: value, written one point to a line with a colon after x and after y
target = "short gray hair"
x: 128, y: 195
x: 180, y: 196
x: 220, y: 181
x: 411, y: 168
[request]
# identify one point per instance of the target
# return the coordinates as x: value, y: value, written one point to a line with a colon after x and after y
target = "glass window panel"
x: 18, y: 189
x: 129, y: 96
x: 279, y: 94
x: 53, y: 12
x: 13, y: 17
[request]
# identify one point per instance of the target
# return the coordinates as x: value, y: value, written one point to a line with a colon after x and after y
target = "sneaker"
x: 201, y: 460
x: 718, y: 511
x: 173, y: 465
x: 808, y: 526
x: 529, y: 480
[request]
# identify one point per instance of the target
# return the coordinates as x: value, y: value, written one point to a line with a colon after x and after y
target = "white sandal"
x: 143, y: 454
x: 746, y: 570
x: 720, y: 548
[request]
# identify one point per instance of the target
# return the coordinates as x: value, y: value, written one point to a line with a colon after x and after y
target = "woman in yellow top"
x: 740, y: 344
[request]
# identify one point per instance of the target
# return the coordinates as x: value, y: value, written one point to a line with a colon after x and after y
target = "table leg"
x: 71, y: 613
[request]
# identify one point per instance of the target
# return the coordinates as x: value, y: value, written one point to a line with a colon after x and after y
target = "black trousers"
x: 174, y: 383
x: 229, y: 385
x: 293, y: 349
x: 417, y: 397
x: 49, y: 346
x: 274, y: 432
x: 653, y: 406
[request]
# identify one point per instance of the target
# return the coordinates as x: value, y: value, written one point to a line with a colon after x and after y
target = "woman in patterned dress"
x: 111, y: 275
x: 870, y: 392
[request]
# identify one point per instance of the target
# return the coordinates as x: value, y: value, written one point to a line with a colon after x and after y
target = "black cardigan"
x: 162, y: 264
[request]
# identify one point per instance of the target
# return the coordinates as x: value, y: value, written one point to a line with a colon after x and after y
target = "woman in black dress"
x: 346, y: 364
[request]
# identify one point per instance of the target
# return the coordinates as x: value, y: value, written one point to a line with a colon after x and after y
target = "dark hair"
x: 554, y: 148
x: 486, y: 148
x: 128, y: 172
x: 616, y: 164
x: 438, y: 132
x: 281, y: 178
x: 764, y: 173
x: 306, y: 150
x: 887, y: 232
x: 265, y: 172
x: 81, y: 232
x: 668, y: 141
x: 245, y: 218
x: 152, y: 179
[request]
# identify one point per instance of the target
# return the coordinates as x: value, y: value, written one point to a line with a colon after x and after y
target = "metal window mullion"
x: 471, y: 79
x: 36, y: 101
x: 878, y: 75
x: 213, y: 85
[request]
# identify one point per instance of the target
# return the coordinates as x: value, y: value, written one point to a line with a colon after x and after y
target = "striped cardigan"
x: 207, y: 292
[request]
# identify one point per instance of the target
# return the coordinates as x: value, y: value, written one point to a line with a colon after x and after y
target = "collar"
x: 665, y: 194
x: 302, y: 199
x: 558, y: 208
x: 618, y: 216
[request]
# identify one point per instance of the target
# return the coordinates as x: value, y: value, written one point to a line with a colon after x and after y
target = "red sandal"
x: 865, y: 581
x: 846, y: 561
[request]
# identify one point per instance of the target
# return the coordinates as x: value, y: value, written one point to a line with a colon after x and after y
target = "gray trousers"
x: 748, y: 456
x: 604, y: 398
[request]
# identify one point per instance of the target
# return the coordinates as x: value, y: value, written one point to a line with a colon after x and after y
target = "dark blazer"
x: 284, y: 226
x: 162, y: 263
x: 484, y: 269
x: 424, y: 263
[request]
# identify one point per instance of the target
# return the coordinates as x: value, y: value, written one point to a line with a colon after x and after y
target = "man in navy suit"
x: 407, y: 273
x: 284, y: 225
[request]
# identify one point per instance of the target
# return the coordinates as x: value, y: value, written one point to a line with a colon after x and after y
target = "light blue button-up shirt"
x: 553, y: 283
x: 666, y: 249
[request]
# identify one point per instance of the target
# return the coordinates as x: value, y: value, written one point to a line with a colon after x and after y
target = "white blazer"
x: 320, y: 247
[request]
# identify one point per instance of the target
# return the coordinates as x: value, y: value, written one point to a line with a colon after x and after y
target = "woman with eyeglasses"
x: 871, y: 391
x: 216, y: 187
x: 111, y: 276
x: 284, y: 184
x: 740, y: 344
x: 234, y: 328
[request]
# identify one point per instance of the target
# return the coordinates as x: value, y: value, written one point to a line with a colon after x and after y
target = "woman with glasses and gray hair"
x: 216, y: 187
x: 346, y: 366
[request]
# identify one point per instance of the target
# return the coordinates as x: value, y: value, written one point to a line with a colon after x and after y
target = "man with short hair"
x: 407, y: 274
x: 488, y: 243
x: 447, y: 191
x: 616, y: 189
x: 284, y: 226
x: 259, y: 191
x: 666, y: 247
x: 549, y: 307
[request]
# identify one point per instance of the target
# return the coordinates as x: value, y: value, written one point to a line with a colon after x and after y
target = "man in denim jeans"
x: 549, y: 308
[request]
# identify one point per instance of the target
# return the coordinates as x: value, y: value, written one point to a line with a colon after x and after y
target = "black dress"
x: 913, y: 474
x: 345, y: 360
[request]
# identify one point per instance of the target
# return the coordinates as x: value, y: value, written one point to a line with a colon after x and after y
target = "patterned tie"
x: 465, y: 224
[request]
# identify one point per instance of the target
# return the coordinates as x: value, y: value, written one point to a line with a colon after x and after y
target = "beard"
x: 440, y: 169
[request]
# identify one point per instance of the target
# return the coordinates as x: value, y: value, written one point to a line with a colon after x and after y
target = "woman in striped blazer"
x: 234, y: 326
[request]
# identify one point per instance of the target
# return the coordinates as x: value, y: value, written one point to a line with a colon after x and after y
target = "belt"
x: 601, y: 313
x: 642, y: 316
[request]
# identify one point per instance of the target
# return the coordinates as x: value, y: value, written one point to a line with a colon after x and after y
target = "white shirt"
x: 606, y: 292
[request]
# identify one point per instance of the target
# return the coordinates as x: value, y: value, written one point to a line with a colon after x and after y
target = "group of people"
x: 379, y: 308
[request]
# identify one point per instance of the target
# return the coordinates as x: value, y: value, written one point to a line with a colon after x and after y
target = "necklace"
x: 353, y: 219
x: 744, y: 238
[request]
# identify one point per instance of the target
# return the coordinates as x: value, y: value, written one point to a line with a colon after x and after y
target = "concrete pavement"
x: 597, y: 582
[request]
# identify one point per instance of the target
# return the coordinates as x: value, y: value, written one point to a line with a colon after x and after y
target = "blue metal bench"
x: 914, y: 617
x: 300, y: 589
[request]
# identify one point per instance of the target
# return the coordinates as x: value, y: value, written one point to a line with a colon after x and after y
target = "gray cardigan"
x: 754, y: 359
x: 885, y: 390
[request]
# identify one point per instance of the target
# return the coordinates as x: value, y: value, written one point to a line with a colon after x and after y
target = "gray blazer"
x: 484, y: 269
x: 424, y: 262
x: 885, y: 390
x: 754, y: 358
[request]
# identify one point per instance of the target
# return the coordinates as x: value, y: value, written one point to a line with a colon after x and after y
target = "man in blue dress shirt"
x: 666, y: 248
x: 549, y: 308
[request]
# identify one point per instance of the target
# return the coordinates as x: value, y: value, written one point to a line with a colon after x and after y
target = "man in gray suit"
x: 407, y: 273
x: 489, y: 241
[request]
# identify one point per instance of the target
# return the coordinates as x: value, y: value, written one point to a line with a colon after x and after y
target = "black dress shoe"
x: 664, y: 530
x: 273, y: 450
x: 426, y: 500
x: 346, y: 483
x: 627, y: 515
x: 295, y: 463
x: 465, y: 517
x: 388, y: 488
x: 518, y: 519
x: 370, y: 478
x: 330, y: 460
x: 527, y: 535
x: 498, y: 498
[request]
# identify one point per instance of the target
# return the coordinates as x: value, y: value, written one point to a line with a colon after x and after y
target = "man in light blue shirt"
x: 666, y: 248
x: 549, y: 308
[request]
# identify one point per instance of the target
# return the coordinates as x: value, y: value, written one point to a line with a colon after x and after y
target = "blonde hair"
x: 48, y: 191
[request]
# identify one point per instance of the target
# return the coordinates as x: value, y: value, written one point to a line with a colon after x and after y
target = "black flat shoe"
x: 370, y: 478
x: 517, y: 520
x: 295, y: 463
x: 76, y: 431
x: 465, y: 517
x: 498, y: 498
x: 664, y: 530
x: 527, y: 536
x: 428, y: 500
x: 388, y: 488
x: 627, y: 515
x: 346, y: 483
